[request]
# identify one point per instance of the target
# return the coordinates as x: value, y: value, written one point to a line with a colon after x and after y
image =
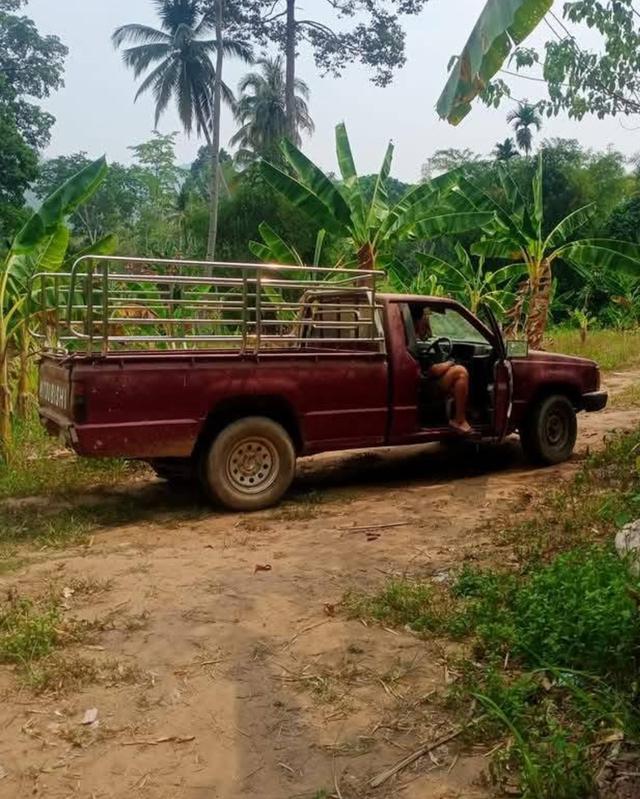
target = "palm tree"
x: 261, y: 111
x: 505, y: 151
x: 523, y: 118
x: 178, y: 56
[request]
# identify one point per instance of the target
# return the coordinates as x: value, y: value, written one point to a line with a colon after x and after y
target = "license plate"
x: 55, y: 394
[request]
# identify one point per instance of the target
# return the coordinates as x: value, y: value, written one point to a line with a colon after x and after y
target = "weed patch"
x: 34, y: 631
x: 61, y: 674
x: 628, y: 398
x: 553, y: 647
x: 400, y: 603
x: 58, y: 523
x: 603, y: 496
x: 612, y: 349
x: 27, y: 632
x: 38, y: 465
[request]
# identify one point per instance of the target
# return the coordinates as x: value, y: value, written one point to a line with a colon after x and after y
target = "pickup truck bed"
x: 156, y: 405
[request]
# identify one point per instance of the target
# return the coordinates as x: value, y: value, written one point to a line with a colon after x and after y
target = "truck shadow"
x: 418, y: 465
x: 156, y: 502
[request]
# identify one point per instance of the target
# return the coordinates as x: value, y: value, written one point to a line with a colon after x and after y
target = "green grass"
x: 35, y: 632
x: 628, y: 398
x: 40, y: 488
x: 553, y: 646
x: 28, y: 631
x: 604, y: 495
x: 63, y: 525
x: 612, y: 349
x: 400, y: 603
x: 40, y: 465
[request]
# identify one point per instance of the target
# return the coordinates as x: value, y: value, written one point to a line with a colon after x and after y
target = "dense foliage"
x: 31, y: 67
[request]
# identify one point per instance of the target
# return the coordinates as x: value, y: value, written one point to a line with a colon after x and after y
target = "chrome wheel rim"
x: 253, y: 465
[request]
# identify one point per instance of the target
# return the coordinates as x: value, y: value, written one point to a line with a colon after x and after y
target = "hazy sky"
x: 95, y: 111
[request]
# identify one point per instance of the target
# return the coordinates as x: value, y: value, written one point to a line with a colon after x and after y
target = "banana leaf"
x: 496, y: 248
x: 104, y: 246
x: 350, y: 179
x: 501, y: 25
x: 317, y: 253
x: 568, y: 226
x: 317, y: 182
x: 479, y: 199
x: 274, y: 249
x: 603, y: 254
x: 54, y: 251
x: 423, y: 197
x: 380, y: 199
x: 57, y: 206
x: 450, y: 223
x: 305, y: 199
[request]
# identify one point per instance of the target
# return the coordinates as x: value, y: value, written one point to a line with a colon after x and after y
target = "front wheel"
x: 548, y: 435
x: 249, y: 465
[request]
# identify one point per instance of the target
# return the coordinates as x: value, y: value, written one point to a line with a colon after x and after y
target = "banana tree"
x: 371, y: 226
x: 41, y: 245
x: 501, y: 24
x: 273, y: 249
x: 518, y: 235
x: 404, y: 280
x: 471, y: 282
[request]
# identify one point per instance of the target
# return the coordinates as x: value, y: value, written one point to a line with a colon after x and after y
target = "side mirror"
x: 517, y: 349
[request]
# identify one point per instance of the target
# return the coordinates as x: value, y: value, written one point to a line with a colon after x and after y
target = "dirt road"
x: 221, y: 634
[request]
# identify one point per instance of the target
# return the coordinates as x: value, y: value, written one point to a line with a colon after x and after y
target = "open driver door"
x: 502, y: 378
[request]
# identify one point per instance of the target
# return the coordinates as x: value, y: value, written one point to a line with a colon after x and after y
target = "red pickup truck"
x: 230, y: 379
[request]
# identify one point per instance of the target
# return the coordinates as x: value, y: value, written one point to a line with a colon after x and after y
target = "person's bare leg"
x: 461, y: 395
x: 441, y: 369
x: 455, y: 382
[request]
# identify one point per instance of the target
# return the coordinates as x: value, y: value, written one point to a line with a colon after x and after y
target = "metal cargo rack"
x: 113, y: 304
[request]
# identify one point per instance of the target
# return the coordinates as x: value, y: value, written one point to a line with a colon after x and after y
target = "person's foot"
x: 463, y: 428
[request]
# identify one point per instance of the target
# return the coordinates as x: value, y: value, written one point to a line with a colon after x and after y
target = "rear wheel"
x: 249, y: 465
x: 549, y: 433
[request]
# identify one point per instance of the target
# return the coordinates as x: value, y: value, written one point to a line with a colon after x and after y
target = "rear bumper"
x: 59, y: 426
x: 595, y: 400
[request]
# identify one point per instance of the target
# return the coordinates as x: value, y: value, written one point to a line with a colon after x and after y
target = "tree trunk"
x: 290, y: 85
x: 5, y: 402
x: 22, y: 405
x: 366, y: 260
x: 515, y: 316
x: 215, y: 138
x: 539, y: 306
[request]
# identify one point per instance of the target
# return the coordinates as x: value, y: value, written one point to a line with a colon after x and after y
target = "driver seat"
x: 434, y: 408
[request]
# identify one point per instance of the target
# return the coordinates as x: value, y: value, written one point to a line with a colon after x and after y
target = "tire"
x: 249, y: 465
x: 549, y: 433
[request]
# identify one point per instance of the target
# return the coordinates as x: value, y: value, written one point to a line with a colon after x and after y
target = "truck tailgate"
x: 55, y: 392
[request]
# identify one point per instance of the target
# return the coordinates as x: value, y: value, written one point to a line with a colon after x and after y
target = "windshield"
x: 451, y: 324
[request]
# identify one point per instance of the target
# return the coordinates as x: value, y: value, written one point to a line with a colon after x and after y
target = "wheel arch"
x: 231, y: 409
x: 568, y: 390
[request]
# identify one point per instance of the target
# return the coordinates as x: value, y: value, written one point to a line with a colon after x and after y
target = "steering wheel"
x: 442, y: 348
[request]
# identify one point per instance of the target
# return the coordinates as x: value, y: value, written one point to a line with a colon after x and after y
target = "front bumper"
x: 595, y: 400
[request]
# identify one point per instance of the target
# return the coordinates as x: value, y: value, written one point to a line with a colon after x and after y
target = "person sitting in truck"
x: 452, y: 378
